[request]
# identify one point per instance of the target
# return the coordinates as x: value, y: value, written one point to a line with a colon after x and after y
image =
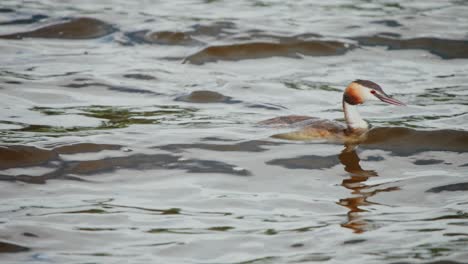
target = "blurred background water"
x: 128, y: 132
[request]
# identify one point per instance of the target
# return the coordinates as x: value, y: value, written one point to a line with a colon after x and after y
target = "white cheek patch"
x: 368, y: 96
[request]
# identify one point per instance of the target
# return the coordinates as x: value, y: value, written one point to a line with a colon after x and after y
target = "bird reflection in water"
x: 359, y: 189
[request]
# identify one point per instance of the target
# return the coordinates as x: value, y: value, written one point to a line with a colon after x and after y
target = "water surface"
x: 129, y: 132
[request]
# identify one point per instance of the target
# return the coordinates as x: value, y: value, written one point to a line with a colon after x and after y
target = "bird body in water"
x: 356, y: 93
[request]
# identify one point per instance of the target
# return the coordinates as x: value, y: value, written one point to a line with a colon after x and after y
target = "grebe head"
x: 361, y: 91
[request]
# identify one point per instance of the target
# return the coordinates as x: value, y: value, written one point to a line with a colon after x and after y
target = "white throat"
x: 353, y: 118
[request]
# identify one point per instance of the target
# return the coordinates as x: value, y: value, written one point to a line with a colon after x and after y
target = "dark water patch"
x: 448, y: 95
x: 309, y: 162
x: 304, y: 229
x: 390, y: 34
x: 455, y: 234
x: 95, y: 229
x: 462, y: 186
x: 458, y: 215
x: 189, y: 37
x: 270, y: 232
x: 82, y: 79
x: 13, y: 82
x: 309, y: 258
x: 169, y: 211
x: 85, y: 148
x: 262, y: 260
x: 131, y: 90
x: 445, y: 76
x: 75, y: 28
x: 86, y: 84
x: 374, y: 158
x: 354, y: 241
x: 406, y: 142
x: 221, y: 228
x: 162, y: 38
x: 121, y: 117
x: 260, y: 35
x: 387, y: 22
x: 161, y: 244
x: 412, y: 120
x: 68, y: 169
x: 28, y: 234
x: 22, y: 178
x: 424, y: 230
x: 190, y: 230
x: 445, y: 48
x: 435, y: 251
x: 99, y: 254
x: 6, y: 10
x: 139, y: 76
x: 205, y: 96
x: 31, y: 20
x: 52, y: 129
x: 217, y: 29
x: 88, y: 211
x: 174, y: 231
x: 259, y: 3
x: 111, y: 87
x: 22, y: 76
x: 212, y: 166
x: 116, y: 117
x: 6, y: 247
x: 15, y: 156
x: 49, y: 111
x: 266, y: 106
x: 217, y: 139
x: 433, y: 262
x: 171, y: 38
x: 256, y: 50
x: 307, y: 85
x: 246, y: 146
x: 30, y: 76
x: 297, y: 245
x: 358, y: 7
x: 137, y: 161
x: 427, y: 161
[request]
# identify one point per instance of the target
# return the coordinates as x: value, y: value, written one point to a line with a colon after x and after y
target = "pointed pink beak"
x: 387, y: 99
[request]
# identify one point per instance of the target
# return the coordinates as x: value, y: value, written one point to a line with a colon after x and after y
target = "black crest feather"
x: 369, y: 84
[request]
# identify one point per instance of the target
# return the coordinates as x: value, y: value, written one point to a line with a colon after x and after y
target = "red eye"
x: 373, y: 91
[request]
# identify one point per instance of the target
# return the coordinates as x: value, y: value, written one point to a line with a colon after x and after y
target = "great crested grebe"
x: 357, y: 92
